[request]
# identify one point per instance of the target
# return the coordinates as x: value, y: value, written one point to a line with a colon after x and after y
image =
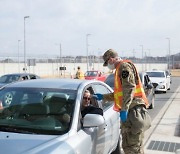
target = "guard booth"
x: 62, y: 69
x: 31, y: 62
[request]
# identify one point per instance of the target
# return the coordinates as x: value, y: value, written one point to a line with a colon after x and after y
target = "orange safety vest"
x: 79, y: 74
x: 118, y: 93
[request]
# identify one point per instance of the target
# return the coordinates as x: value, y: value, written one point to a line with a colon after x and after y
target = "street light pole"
x: 18, y: 57
x: 142, y: 58
x: 25, y: 43
x: 60, y: 58
x: 60, y: 52
x: 87, y: 51
x: 169, y: 53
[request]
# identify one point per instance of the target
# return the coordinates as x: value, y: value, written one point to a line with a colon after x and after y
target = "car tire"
x: 118, y: 149
x: 152, y: 104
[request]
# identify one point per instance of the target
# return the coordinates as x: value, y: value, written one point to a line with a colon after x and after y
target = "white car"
x: 160, y: 80
x: 43, y: 116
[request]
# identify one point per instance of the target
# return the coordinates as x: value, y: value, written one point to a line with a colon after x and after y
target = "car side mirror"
x: 149, y: 86
x: 93, y: 120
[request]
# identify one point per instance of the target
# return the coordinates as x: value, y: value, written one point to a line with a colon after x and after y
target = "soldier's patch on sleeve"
x: 125, y: 74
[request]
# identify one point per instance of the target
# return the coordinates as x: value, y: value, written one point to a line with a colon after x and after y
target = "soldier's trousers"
x: 133, y: 130
x: 132, y: 143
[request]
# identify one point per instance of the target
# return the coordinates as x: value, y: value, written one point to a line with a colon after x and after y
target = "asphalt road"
x: 162, y: 98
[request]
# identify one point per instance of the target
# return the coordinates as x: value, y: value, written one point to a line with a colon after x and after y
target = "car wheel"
x: 118, y: 149
x: 7, y: 99
x: 164, y: 91
x: 152, y: 103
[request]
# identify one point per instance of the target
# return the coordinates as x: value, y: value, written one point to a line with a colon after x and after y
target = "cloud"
x: 120, y: 24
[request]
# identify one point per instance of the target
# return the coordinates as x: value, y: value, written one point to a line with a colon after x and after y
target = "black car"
x: 9, y: 78
x: 147, y: 85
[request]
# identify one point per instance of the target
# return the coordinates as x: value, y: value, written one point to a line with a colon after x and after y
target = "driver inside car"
x: 87, y: 107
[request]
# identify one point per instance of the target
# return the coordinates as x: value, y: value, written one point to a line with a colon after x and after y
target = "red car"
x: 94, y: 75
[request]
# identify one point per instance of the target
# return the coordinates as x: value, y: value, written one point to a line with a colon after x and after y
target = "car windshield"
x: 40, y: 111
x: 156, y: 74
x: 9, y: 78
x: 91, y: 73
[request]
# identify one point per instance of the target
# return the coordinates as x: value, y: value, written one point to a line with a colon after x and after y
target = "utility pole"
x: 87, y: 45
x: 169, y: 53
x: 142, y: 57
x: 18, y: 57
x: 25, y: 67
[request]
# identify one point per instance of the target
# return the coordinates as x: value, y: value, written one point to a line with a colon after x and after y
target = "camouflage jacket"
x: 128, y: 77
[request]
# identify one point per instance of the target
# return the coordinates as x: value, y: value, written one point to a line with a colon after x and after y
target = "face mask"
x: 111, y: 66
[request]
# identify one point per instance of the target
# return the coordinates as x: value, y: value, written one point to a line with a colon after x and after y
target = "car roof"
x: 19, y: 74
x: 93, y: 71
x: 52, y: 83
x: 156, y: 71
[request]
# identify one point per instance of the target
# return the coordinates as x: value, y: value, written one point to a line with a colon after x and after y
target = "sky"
x: 131, y: 27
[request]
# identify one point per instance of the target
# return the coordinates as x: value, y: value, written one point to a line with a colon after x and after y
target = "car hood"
x: 157, y: 80
x: 29, y: 143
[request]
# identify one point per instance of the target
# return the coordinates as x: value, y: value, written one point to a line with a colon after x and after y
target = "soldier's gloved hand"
x: 123, y: 115
x: 98, y: 96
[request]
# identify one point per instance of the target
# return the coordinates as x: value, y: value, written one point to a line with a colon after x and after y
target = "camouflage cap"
x: 108, y: 54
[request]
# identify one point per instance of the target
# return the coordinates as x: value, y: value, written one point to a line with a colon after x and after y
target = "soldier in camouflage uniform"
x: 133, y: 114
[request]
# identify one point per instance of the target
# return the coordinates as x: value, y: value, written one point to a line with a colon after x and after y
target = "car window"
x: 156, y: 74
x: 148, y: 79
x: 103, y: 90
x: 9, y: 78
x: 32, y: 76
x: 110, y: 80
x: 145, y: 80
x: 25, y: 77
x: 91, y: 73
x: 42, y: 111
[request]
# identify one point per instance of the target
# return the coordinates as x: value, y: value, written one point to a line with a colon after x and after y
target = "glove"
x: 98, y: 96
x: 123, y: 115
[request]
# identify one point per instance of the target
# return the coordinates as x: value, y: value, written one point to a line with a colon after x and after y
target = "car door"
x: 111, y: 118
x: 93, y: 138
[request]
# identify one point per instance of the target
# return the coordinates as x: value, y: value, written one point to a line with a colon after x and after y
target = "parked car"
x: 94, y: 75
x: 147, y: 85
x: 44, y: 116
x: 160, y: 80
x: 8, y: 78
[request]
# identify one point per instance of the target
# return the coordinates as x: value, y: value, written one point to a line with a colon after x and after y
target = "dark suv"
x: 9, y: 78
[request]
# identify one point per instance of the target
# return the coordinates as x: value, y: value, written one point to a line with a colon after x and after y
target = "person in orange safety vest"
x: 79, y: 73
x: 130, y: 100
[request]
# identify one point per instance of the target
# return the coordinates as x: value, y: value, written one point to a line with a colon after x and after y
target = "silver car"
x: 44, y: 116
